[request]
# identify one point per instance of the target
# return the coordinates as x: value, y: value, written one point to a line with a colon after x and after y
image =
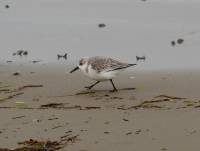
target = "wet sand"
x: 161, y: 113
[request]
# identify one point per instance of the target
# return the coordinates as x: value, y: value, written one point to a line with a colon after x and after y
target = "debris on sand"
x: 16, y: 74
x: 84, y: 93
x: 20, y: 104
x: 27, y: 86
x: 9, y: 61
x: 17, y: 117
x: 126, y: 120
x: 173, y: 43
x: 138, y: 131
x: 70, y: 139
x: 4, y: 90
x: 163, y: 149
x: 180, y: 41
x: 62, y: 56
x: 52, y: 105
x: 21, y: 52
x: 146, y: 104
x: 169, y: 97
x: 101, y: 25
x: 61, y: 106
x: 36, y: 61
x: 91, y: 107
x: 10, y: 96
x: 55, y: 118
x: 140, y: 58
x: 35, y: 145
x: 114, y: 98
x: 106, y: 132
x: 40, y: 145
x: 153, y: 103
x: 129, y: 133
x: 56, y: 127
x: 9, y: 90
x: 198, y: 106
x: 25, y: 53
x: 7, y: 6
x: 128, y: 88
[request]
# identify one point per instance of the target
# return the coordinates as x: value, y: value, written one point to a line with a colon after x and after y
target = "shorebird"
x: 101, y: 69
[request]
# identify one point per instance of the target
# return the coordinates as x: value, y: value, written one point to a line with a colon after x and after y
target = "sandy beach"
x: 43, y: 107
x: 161, y: 113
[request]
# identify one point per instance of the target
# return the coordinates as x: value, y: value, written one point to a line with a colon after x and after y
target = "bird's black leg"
x: 91, y: 86
x: 114, y: 88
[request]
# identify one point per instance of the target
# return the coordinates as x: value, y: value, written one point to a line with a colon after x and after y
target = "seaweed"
x: 11, y: 96
x: 169, y: 97
x: 35, y: 145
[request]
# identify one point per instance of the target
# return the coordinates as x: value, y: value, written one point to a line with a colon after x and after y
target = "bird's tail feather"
x: 129, y: 65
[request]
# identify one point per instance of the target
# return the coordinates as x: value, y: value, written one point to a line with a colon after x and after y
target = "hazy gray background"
x: 134, y: 27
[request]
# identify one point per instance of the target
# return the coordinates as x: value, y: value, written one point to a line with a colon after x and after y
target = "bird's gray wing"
x: 107, y: 64
x: 116, y: 65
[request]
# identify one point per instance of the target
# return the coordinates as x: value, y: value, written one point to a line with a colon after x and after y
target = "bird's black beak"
x: 74, y: 69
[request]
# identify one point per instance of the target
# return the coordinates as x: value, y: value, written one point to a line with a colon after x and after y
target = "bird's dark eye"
x: 80, y: 63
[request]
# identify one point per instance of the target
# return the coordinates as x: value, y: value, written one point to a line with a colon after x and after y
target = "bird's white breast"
x: 99, y: 76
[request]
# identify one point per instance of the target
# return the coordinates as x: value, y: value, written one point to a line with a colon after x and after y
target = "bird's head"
x: 82, y: 65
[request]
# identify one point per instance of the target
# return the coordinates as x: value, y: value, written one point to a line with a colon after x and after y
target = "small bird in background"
x: 62, y: 56
x: 101, y: 69
x: 140, y: 58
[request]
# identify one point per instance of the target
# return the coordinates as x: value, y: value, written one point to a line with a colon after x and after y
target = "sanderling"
x: 101, y: 69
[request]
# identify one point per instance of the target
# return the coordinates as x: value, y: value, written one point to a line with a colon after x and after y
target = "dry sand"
x: 101, y: 120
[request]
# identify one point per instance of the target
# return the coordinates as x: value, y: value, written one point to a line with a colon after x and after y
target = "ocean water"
x: 46, y: 28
